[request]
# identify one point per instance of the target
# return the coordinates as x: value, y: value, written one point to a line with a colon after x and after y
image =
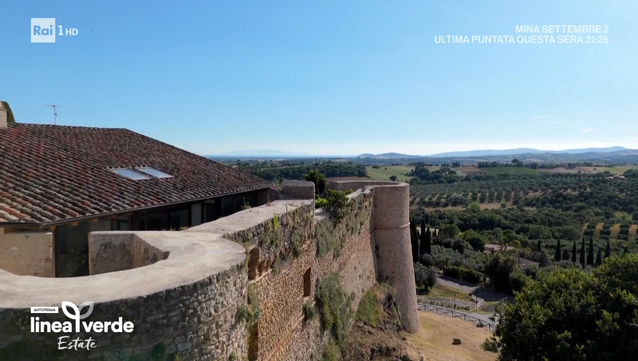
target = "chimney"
x: 3, y: 117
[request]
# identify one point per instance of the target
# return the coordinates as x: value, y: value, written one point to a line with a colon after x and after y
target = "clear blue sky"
x: 327, y: 77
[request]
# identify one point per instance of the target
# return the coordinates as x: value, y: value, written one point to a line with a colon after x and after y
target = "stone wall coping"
x: 249, y: 217
x: 192, y: 257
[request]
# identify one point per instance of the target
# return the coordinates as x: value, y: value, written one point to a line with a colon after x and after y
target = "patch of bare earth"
x: 434, y: 340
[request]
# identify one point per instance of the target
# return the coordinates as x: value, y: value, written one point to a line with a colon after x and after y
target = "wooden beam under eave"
x: 73, y: 224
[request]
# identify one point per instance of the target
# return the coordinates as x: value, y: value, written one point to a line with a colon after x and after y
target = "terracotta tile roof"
x: 51, y: 173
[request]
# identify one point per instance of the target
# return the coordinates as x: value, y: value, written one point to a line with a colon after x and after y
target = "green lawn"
x: 510, y: 170
x: 619, y: 170
x: 384, y: 172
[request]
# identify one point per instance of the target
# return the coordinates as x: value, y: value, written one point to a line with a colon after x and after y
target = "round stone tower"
x: 391, y: 219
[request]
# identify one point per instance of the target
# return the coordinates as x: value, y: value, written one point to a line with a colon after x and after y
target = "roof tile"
x: 51, y: 173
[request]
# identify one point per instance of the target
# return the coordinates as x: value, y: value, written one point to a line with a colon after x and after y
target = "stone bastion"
x: 231, y: 289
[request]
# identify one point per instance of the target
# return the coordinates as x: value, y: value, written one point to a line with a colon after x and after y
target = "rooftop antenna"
x: 55, y: 113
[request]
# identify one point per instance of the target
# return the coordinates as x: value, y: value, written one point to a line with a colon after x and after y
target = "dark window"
x: 209, y: 212
x: 306, y: 283
x: 157, y: 222
x: 180, y: 219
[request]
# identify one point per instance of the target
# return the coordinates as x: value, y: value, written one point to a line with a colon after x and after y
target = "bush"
x: 463, y: 274
x: 321, y: 202
x: 499, y: 269
x: 308, y: 311
x: 334, y: 307
x: 518, y: 280
x: 425, y: 277
x: 337, y: 203
x: 369, y: 310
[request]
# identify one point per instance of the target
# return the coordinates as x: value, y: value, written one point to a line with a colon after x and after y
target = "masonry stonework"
x: 189, y: 293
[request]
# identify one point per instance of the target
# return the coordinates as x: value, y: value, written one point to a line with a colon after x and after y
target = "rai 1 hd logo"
x: 78, y: 323
x: 43, y: 30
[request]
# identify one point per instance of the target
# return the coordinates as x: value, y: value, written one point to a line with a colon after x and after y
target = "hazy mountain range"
x: 492, y: 152
x: 267, y: 153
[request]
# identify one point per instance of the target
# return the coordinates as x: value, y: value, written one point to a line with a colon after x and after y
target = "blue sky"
x: 329, y: 77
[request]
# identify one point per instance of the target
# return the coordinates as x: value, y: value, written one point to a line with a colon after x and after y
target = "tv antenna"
x: 55, y: 113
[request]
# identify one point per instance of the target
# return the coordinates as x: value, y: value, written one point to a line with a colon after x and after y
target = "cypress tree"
x: 422, y: 249
x: 582, y: 253
x: 599, y: 261
x: 414, y: 240
x: 574, y: 252
x: 539, y: 246
x: 608, y: 250
x: 590, y: 255
x: 428, y: 241
x: 557, y: 251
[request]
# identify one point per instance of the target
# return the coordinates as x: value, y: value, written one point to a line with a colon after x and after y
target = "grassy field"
x: 619, y: 170
x: 385, y: 172
x: 434, y: 339
x: 510, y: 170
x: 441, y: 291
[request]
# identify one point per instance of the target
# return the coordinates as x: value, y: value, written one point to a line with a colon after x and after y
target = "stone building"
x: 58, y: 183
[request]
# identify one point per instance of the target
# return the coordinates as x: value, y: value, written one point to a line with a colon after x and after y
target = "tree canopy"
x: 569, y: 314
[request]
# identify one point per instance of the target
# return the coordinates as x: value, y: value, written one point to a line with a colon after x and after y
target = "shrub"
x: 463, y: 274
x: 369, y: 310
x: 334, y: 308
x: 425, y: 277
x: 321, y: 202
x: 337, y: 204
x: 518, y: 280
x: 309, y: 311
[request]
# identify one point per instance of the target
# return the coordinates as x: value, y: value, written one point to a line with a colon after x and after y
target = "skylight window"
x: 154, y: 172
x: 131, y: 174
x: 140, y: 173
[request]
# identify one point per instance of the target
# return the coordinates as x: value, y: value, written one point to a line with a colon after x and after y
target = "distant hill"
x: 491, y: 152
x: 263, y: 153
x: 387, y: 156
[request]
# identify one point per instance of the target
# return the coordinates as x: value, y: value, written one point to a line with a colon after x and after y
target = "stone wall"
x: 27, y: 253
x: 232, y: 289
x: 117, y: 251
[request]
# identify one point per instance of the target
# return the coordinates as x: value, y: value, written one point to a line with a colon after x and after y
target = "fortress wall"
x: 283, y: 332
x: 186, y: 295
x: 195, y: 321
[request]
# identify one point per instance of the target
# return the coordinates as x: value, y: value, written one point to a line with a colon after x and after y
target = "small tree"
x: 582, y: 253
x: 608, y: 249
x: 319, y: 179
x: 393, y: 178
x: 539, y: 246
x: 574, y: 252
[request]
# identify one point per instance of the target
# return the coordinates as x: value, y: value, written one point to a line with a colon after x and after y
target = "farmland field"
x: 385, y: 172
x: 510, y: 170
x: 619, y: 170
